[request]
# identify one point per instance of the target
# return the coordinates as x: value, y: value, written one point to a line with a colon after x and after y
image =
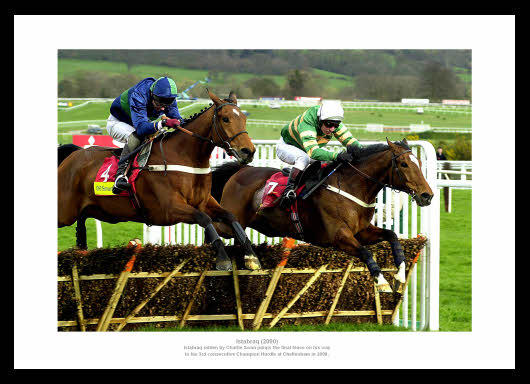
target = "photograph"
x: 247, y: 155
x: 267, y: 204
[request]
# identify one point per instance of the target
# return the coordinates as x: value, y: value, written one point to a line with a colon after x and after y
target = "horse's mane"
x: 196, y: 115
x: 362, y: 153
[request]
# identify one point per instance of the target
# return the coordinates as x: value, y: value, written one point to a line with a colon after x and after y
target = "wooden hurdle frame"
x: 103, y: 323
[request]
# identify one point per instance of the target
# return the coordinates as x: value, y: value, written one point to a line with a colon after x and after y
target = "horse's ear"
x: 391, y: 144
x: 405, y: 142
x: 214, y: 98
x: 232, y: 97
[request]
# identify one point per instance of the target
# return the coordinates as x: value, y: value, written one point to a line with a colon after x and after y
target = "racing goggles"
x: 163, y: 101
x: 331, y: 123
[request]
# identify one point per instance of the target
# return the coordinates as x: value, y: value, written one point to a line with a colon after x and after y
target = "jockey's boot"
x: 289, y: 194
x: 122, y: 183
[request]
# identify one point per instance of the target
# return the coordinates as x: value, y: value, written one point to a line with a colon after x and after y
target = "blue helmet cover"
x: 164, y: 87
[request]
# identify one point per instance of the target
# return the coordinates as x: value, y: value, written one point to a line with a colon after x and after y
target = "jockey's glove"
x: 344, y: 157
x: 172, y: 123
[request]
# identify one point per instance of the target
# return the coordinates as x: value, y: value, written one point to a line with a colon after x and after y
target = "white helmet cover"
x: 331, y: 110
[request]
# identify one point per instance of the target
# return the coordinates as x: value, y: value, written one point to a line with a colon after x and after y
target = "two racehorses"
x: 337, y: 214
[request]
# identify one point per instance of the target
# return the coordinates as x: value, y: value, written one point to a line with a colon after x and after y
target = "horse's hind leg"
x: 345, y: 241
x: 80, y: 233
x: 190, y: 215
x: 372, y: 235
x: 232, y: 228
x: 222, y: 262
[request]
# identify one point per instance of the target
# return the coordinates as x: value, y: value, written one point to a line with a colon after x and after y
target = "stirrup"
x: 121, y: 177
x: 117, y: 189
x: 291, y: 195
x: 288, y: 199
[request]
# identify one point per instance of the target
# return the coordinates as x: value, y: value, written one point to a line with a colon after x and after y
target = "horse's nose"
x: 247, y: 153
x: 426, y: 196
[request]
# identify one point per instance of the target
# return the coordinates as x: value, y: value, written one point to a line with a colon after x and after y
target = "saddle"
x: 106, y: 174
x: 275, y: 185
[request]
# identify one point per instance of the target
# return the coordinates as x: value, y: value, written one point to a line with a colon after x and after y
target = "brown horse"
x: 329, y: 218
x: 166, y: 197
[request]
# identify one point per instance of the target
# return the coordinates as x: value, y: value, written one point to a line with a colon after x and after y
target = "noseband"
x: 394, y: 168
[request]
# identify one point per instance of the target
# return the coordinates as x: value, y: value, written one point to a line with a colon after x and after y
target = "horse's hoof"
x: 252, y: 263
x: 382, y: 284
x: 223, y: 265
x: 384, y: 288
x: 400, y: 275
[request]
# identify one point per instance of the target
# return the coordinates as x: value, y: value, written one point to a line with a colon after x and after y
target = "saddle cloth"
x: 274, y: 188
x: 276, y: 184
x: 106, y: 174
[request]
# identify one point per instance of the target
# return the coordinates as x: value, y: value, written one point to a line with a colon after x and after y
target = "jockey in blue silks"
x: 136, y: 113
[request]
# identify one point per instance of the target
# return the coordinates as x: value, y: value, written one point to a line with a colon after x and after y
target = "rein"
x: 390, y: 185
x: 225, y: 144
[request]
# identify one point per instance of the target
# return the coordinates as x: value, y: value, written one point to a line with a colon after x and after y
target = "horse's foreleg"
x: 373, y: 234
x: 345, y: 241
x: 188, y: 214
x: 233, y: 229
x: 222, y: 261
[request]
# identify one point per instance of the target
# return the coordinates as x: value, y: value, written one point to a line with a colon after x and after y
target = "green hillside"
x: 383, y: 75
x: 67, y: 67
x: 186, y: 77
x: 183, y: 77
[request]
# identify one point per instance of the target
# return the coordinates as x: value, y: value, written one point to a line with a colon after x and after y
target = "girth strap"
x: 296, y: 219
x: 351, y: 197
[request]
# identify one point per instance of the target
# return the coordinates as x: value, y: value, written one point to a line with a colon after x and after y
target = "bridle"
x: 389, y: 185
x: 225, y: 143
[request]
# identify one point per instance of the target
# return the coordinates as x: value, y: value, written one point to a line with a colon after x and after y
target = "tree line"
x: 384, y: 75
x: 279, y: 62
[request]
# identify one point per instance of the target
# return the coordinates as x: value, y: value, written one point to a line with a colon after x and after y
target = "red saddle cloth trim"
x: 107, y: 173
x: 274, y: 188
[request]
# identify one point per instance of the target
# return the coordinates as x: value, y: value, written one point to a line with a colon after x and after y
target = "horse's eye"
x: 225, y: 119
x: 404, y: 165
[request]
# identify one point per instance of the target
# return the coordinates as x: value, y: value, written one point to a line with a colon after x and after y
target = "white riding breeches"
x: 293, y: 155
x: 119, y: 130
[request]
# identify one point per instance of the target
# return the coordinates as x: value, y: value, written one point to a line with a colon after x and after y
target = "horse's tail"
x: 220, y: 176
x: 65, y: 150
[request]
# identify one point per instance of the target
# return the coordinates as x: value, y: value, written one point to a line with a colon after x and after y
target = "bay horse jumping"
x: 166, y: 196
x: 330, y: 216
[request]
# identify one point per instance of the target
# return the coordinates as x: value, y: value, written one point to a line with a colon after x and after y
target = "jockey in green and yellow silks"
x: 303, y: 139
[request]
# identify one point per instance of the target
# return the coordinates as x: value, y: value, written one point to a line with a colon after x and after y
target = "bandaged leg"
x: 211, y: 236
x: 251, y: 259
